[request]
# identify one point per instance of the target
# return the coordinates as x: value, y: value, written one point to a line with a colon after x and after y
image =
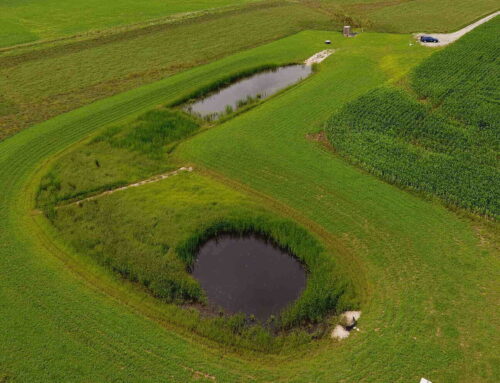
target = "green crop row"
x: 449, y: 148
x: 464, y: 80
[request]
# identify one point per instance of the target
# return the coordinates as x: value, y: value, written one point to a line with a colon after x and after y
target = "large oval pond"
x: 248, y: 274
x: 260, y: 85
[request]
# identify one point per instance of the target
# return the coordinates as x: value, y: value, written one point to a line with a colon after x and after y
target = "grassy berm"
x: 439, y: 132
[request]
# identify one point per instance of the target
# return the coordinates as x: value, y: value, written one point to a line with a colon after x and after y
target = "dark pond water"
x: 260, y: 85
x: 248, y: 274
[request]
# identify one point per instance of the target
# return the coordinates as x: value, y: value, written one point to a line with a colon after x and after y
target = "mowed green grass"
x: 430, y: 282
x: 45, y: 80
x: 428, y: 279
x: 24, y: 21
x: 40, y: 83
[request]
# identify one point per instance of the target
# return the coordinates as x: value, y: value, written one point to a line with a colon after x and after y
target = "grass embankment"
x: 443, y: 138
x: 41, y: 82
x: 428, y: 282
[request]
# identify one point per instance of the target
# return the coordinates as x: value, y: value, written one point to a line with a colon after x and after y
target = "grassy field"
x: 426, y: 275
x: 22, y: 21
x: 47, y: 79
x: 446, y: 144
x: 40, y: 83
x: 422, y: 15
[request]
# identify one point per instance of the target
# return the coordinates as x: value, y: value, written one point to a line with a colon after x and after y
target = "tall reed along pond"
x: 248, y: 90
x: 248, y: 274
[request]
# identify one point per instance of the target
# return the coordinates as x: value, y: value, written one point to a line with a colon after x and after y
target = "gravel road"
x: 448, y: 38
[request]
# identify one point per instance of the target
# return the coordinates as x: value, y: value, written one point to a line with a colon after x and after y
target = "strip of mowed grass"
x: 448, y: 146
x: 39, y: 83
x: 427, y: 279
x: 22, y: 21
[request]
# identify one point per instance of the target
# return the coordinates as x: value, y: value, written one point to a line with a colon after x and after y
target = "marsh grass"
x: 151, y: 236
x: 120, y: 155
x: 151, y: 133
x: 325, y: 287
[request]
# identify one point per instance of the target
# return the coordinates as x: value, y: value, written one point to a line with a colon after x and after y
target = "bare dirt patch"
x: 319, y: 57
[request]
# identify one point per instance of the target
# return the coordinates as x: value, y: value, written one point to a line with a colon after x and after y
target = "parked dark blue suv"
x: 428, y: 39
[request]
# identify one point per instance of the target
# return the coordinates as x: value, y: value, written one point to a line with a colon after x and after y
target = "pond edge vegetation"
x: 327, y: 292
x: 243, y: 104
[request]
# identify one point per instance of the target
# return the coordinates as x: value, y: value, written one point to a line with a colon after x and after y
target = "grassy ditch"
x: 150, y: 236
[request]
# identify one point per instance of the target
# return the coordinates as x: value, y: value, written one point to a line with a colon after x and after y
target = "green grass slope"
x: 122, y: 154
x: 149, y: 235
x: 446, y: 143
x: 428, y: 276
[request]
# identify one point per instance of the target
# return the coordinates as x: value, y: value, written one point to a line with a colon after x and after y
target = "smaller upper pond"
x: 258, y: 86
x: 248, y: 274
